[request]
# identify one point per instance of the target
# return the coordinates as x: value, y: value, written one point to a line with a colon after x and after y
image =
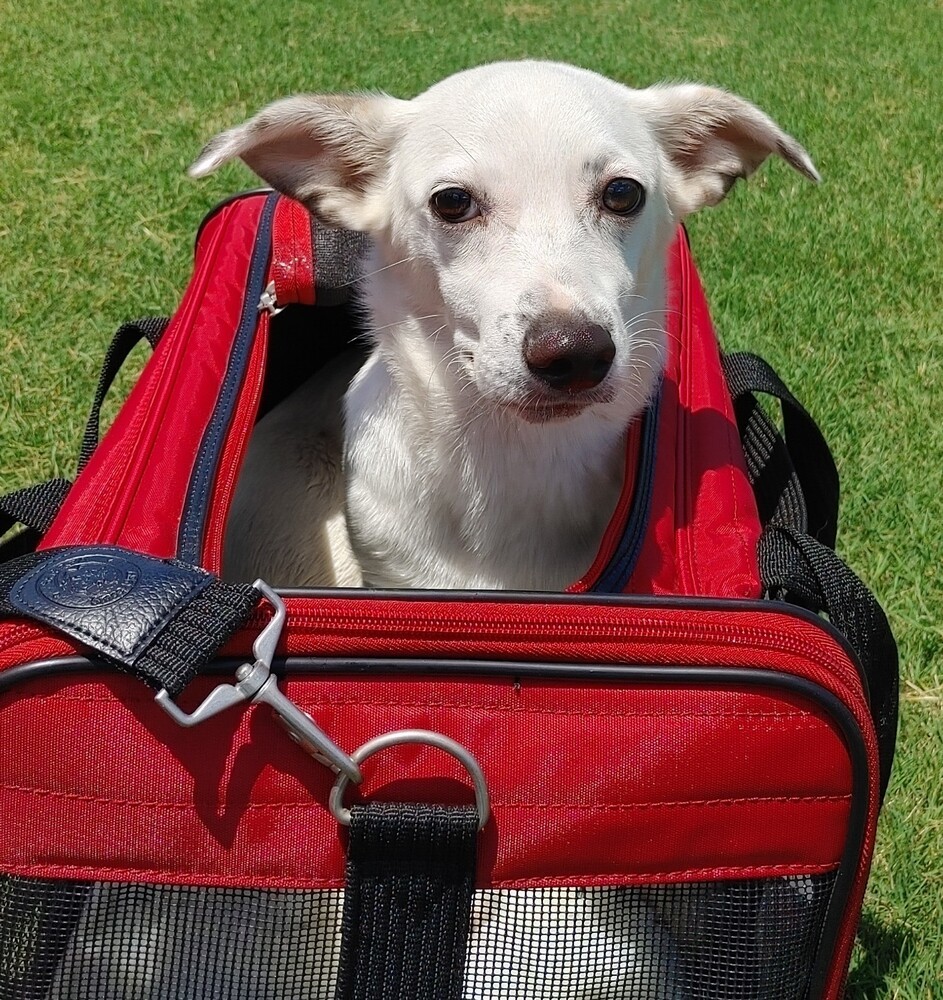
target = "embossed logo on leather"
x: 88, y: 581
x: 112, y: 599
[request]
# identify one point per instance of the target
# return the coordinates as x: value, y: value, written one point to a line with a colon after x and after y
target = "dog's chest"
x: 535, y: 524
x: 494, y: 512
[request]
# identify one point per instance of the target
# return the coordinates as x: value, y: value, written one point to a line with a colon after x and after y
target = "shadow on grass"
x: 881, y: 949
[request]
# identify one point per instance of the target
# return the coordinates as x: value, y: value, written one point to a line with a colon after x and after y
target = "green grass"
x: 841, y: 286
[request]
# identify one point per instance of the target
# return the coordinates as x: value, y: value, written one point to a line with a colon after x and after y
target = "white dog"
x: 520, y: 215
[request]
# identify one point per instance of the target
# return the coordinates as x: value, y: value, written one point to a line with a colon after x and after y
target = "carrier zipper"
x: 685, y: 562
x: 191, y: 535
x: 43, y: 645
x: 106, y: 518
x: 268, y: 302
x: 290, y: 279
x: 386, y: 623
x: 348, y: 631
x: 237, y: 443
x: 632, y: 509
x: 13, y: 635
x: 618, y: 522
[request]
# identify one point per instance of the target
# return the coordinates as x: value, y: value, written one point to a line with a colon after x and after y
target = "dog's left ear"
x: 711, y: 138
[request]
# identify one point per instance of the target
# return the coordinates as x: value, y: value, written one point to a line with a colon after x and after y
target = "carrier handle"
x: 126, y: 338
x: 796, y: 481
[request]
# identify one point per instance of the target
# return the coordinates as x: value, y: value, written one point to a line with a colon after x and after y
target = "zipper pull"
x: 268, y: 302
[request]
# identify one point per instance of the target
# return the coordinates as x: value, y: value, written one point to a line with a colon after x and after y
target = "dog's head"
x: 527, y: 207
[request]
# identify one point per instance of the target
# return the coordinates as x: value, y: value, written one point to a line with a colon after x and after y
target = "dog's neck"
x: 446, y: 491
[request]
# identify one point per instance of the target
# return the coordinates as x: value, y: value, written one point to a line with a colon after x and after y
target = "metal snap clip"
x: 255, y: 682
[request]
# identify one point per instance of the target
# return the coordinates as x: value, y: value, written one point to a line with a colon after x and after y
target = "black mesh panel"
x: 702, y: 941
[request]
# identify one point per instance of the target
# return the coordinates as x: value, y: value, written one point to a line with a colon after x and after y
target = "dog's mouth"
x: 545, y: 412
x: 548, y: 407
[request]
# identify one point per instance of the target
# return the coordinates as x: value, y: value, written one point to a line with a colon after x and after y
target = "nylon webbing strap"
x: 779, y: 496
x: 795, y: 481
x: 186, y: 643
x: 159, y: 619
x: 407, y: 904
x: 149, y: 328
x: 35, y: 506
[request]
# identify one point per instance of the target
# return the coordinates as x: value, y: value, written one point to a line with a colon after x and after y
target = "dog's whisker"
x: 461, y: 146
x: 657, y: 312
x: 450, y: 358
x: 370, y: 274
x: 648, y: 314
x: 639, y: 333
x: 407, y: 319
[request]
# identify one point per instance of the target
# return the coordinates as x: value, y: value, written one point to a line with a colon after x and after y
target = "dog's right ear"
x: 328, y: 151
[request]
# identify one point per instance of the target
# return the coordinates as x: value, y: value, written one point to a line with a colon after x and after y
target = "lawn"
x: 841, y: 285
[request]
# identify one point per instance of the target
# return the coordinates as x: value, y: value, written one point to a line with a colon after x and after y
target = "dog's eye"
x: 454, y: 205
x: 623, y: 196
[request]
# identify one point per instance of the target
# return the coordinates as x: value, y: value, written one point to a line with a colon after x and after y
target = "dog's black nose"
x: 567, y: 354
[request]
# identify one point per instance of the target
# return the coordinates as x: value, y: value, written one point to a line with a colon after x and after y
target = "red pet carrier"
x: 662, y: 784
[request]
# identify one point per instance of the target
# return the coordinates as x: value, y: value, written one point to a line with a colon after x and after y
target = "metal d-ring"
x: 482, y: 801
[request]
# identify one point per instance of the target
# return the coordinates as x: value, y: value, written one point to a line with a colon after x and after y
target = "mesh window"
x: 701, y: 941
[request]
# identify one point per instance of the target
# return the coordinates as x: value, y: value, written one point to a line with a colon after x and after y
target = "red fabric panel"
x: 703, y: 526
x: 591, y: 784
x: 133, y: 489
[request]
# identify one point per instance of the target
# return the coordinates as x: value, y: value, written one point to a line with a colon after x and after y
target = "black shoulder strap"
x: 159, y: 619
x: 33, y: 506
x: 126, y: 338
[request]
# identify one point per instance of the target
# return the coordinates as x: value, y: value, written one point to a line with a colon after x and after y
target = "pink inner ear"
x: 729, y: 148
